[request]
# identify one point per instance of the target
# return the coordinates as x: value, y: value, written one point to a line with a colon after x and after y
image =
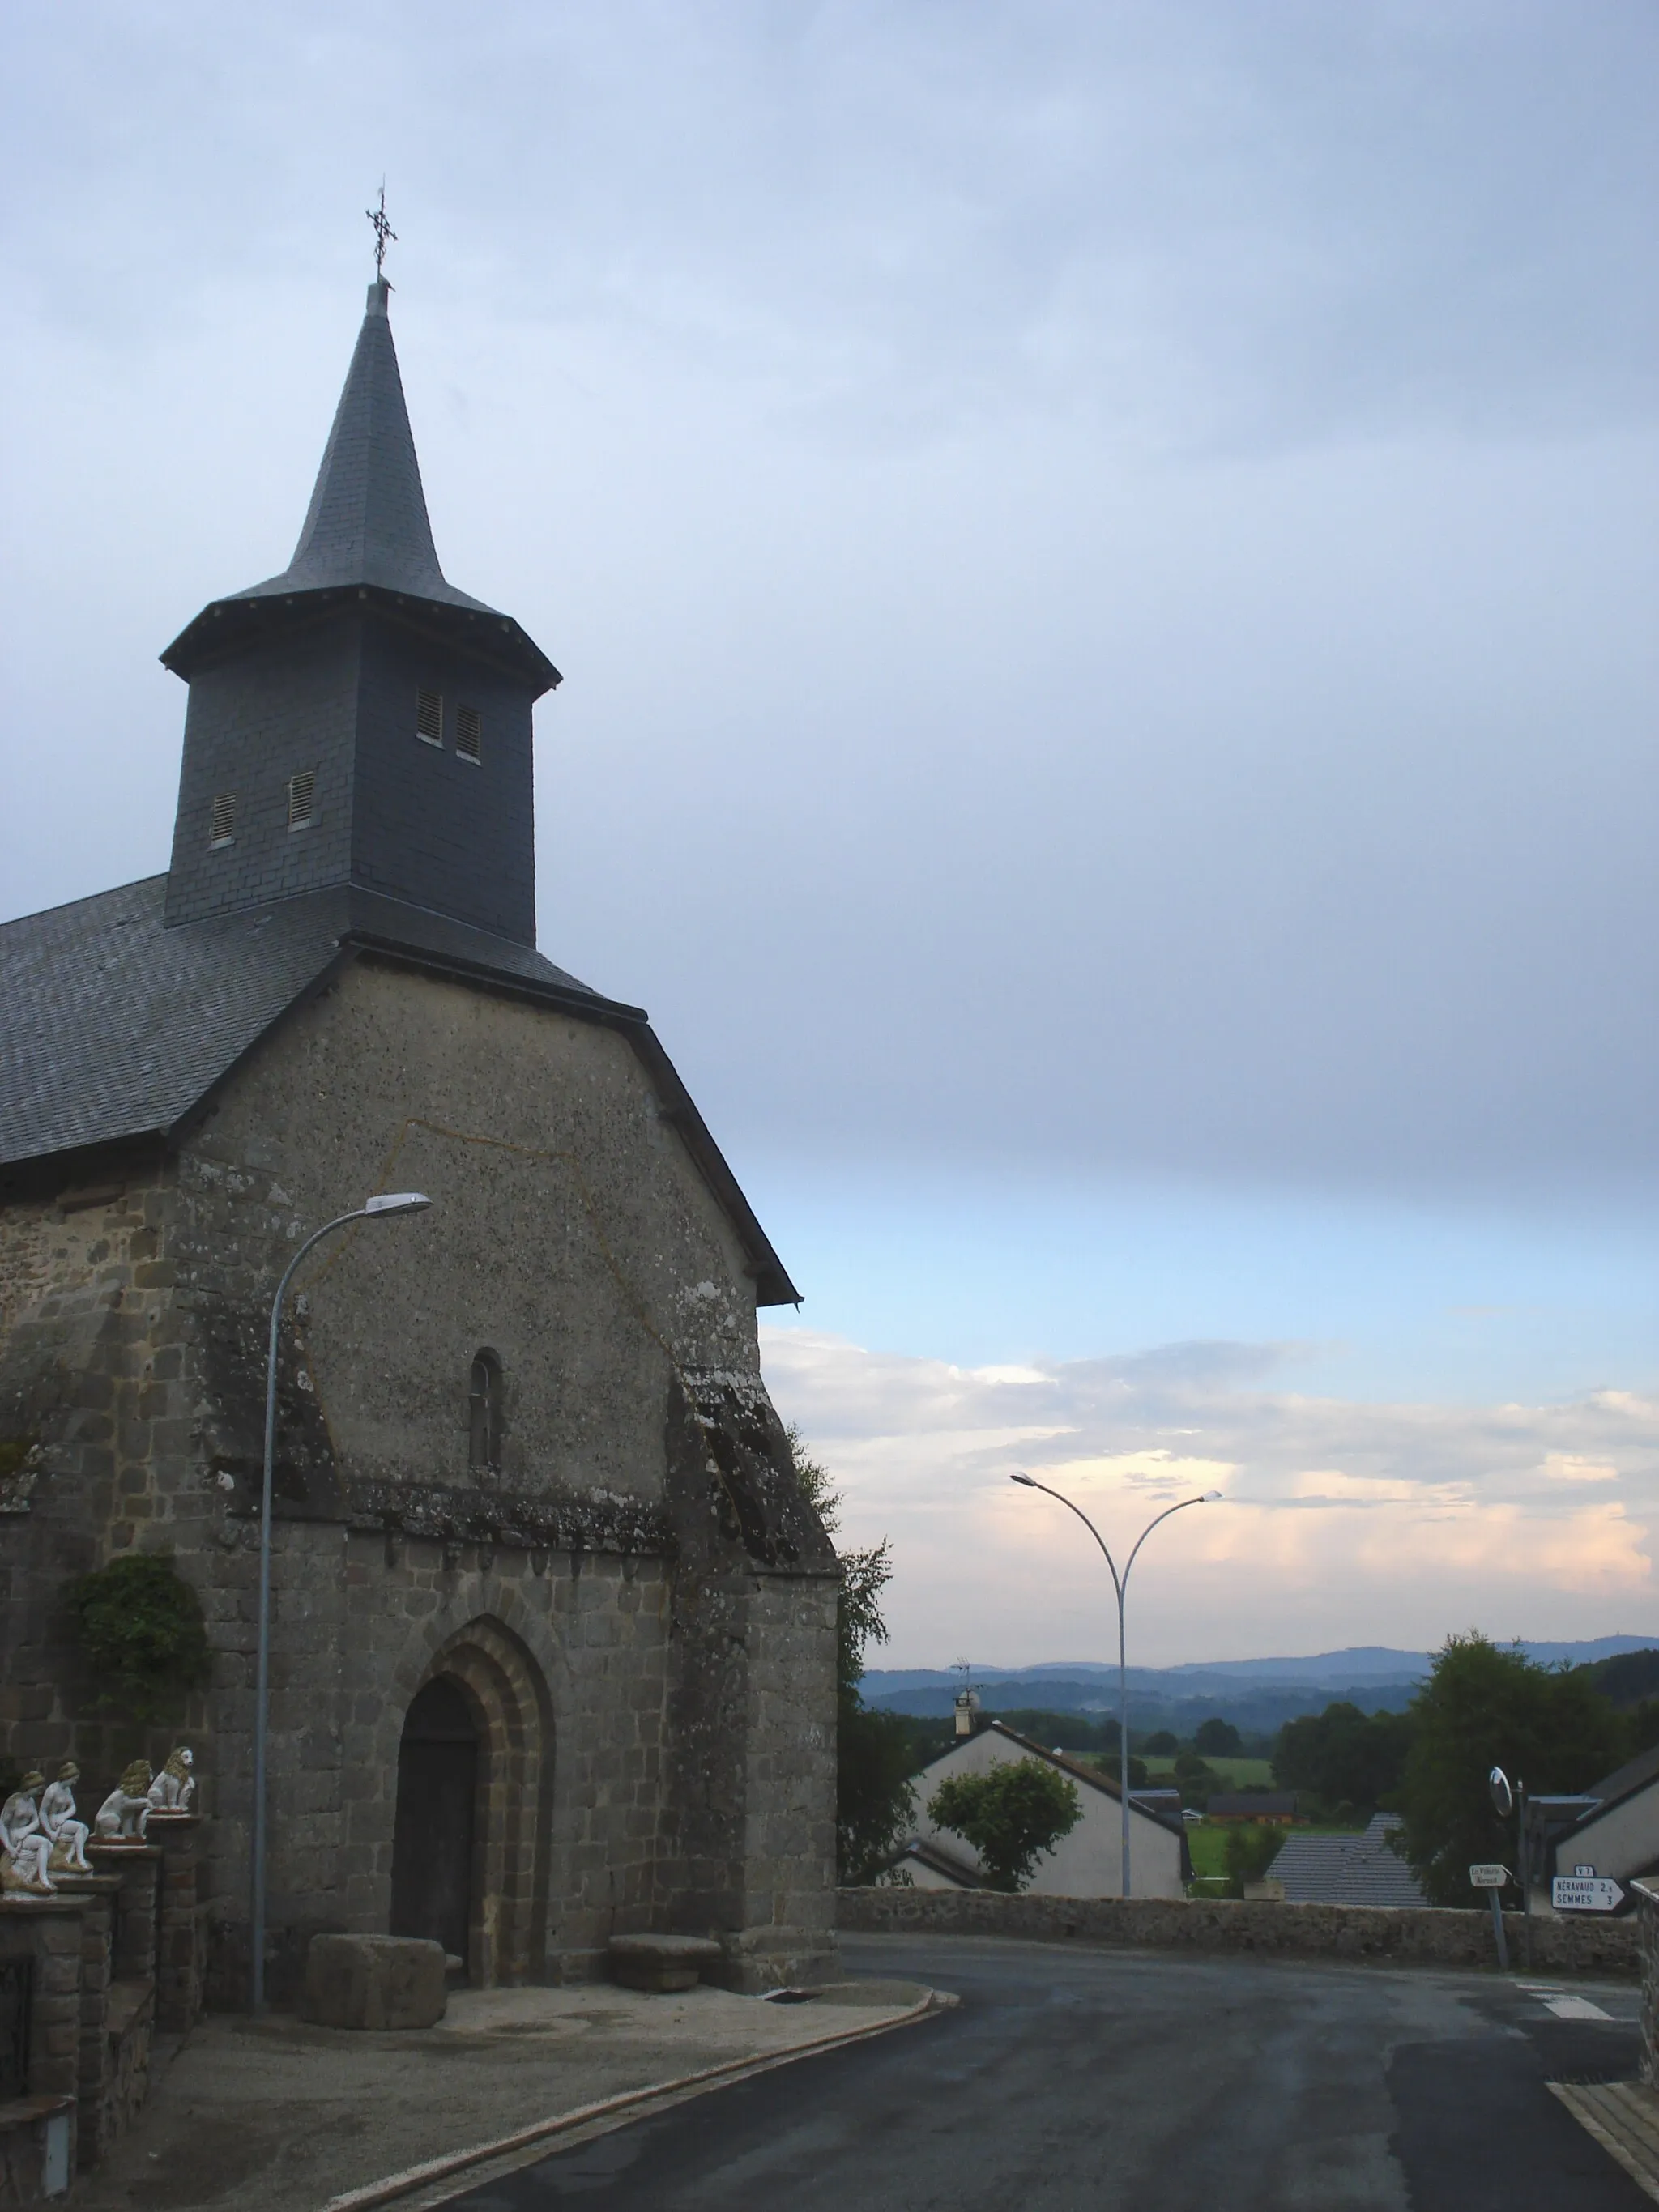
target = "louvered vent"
x: 469, y: 734
x: 221, y: 824
x: 430, y: 717
x: 301, y: 797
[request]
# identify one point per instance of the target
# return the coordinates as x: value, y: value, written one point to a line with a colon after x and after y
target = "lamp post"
x: 373, y: 1209
x: 1121, y: 1585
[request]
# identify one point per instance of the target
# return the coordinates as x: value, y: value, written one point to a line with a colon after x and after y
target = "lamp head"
x: 1024, y: 1479
x: 397, y: 1201
x: 1210, y: 1498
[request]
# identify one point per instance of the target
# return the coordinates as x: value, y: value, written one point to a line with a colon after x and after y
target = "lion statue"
x: 25, y: 1847
x: 175, y: 1785
x: 124, y: 1813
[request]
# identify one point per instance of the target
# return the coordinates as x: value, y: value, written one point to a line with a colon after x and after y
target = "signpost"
x: 1491, y: 1880
x: 1586, y: 1892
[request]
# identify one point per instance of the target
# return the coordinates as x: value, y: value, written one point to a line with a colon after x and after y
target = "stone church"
x: 553, y: 1641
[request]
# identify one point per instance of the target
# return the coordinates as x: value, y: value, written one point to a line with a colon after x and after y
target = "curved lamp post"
x: 373, y: 1209
x: 1121, y: 1585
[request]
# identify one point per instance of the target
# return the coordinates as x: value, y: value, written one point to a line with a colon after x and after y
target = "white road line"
x: 1566, y: 2007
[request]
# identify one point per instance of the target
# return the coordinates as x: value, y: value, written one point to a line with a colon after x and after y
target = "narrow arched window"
x: 484, y: 1413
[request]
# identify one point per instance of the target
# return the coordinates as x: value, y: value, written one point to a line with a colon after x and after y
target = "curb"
x: 431, y: 2170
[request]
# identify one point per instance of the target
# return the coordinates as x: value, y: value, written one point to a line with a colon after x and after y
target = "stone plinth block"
x: 374, y: 1981
x: 660, y: 1963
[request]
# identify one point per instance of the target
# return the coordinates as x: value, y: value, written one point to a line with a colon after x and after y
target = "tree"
x: 1164, y: 1745
x: 1480, y: 1707
x: 1011, y: 1814
x: 1218, y: 1738
x: 1249, y: 1851
x: 874, y: 1801
x: 1343, y: 1756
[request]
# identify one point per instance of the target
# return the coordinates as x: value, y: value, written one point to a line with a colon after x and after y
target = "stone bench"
x: 660, y: 1963
x: 375, y: 1981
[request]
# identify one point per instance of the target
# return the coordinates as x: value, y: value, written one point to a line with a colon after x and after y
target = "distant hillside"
x: 1627, y: 1677
x: 1257, y: 1695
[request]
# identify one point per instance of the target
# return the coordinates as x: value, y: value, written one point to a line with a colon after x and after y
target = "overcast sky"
x: 1103, y: 562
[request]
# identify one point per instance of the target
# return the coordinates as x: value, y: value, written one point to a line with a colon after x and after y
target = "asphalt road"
x: 1071, y: 2079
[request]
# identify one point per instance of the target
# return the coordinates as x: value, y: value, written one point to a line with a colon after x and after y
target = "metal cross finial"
x: 384, y: 233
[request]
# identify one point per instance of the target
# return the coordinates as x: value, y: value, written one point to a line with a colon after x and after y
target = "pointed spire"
x: 366, y: 523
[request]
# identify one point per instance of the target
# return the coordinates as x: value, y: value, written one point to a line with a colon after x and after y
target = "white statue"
x: 175, y: 1785
x: 124, y: 1813
x: 25, y: 1845
x: 68, y: 1835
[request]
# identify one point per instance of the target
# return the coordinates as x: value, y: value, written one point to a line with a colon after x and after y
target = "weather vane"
x: 384, y: 233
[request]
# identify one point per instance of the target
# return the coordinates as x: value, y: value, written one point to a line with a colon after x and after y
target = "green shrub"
x: 1251, y: 1850
x: 141, y: 1634
x: 1010, y: 1814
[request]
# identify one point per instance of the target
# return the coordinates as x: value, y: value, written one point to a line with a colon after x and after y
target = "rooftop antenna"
x: 383, y: 234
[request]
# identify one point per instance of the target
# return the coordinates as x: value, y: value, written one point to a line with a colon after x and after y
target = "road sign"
x: 1488, y: 1877
x: 1578, y: 1893
x: 1584, y: 1869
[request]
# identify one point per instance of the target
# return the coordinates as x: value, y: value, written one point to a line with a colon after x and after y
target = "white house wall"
x: 1086, y: 1863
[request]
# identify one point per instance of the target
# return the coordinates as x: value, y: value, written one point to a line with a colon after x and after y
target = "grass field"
x: 1243, y: 1773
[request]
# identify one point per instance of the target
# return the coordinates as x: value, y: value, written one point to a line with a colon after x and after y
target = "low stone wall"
x: 1388, y: 1934
x: 1647, y: 1938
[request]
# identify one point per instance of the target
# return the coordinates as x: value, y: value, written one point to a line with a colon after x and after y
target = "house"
x: 1361, y: 1869
x: 1613, y: 1827
x: 553, y: 1647
x: 1084, y: 1863
x: 1274, y: 1808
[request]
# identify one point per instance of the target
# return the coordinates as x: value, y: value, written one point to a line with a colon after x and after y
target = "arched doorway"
x: 437, y: 1816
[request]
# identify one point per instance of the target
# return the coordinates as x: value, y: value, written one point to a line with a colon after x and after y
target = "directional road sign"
x: 1488, y: 1877
x: 1578, y: 1893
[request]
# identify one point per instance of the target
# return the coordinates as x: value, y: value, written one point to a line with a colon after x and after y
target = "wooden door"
x: 437, y: 1811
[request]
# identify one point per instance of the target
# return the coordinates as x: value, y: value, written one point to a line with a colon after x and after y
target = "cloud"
x: 1343, y: 1522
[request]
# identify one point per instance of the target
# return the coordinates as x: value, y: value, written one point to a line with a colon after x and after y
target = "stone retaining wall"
x: 1386, y: 1933
x: 1647, y: 1938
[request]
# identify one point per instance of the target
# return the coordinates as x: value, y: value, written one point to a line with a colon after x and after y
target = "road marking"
x: 1566, y: 2007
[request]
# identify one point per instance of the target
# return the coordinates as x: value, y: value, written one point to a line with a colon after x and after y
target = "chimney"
x: 967, y: 1712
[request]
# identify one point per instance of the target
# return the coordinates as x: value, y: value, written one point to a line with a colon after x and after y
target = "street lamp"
x: 1120, y: 1585
x: 374, y: 1209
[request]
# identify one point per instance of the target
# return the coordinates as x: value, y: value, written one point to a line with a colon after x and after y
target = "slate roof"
x: 1624, y: 1781
x: 365, y: 532
x: 113, y: 1028
x: 1347, y: 1870
x: 1251, y: 1805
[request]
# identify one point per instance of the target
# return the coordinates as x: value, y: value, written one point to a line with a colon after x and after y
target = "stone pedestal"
x: 137, y: 1867
x: 40, y: 1967
x: 179, y: 1947
x: 662, y: 1963
x: 375, y: 1981
x: 98, y: 1892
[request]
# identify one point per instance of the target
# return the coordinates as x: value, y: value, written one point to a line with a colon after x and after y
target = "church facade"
x: 553, y: 1626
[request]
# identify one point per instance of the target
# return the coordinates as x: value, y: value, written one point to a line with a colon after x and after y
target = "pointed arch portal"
x: 475, y: 1764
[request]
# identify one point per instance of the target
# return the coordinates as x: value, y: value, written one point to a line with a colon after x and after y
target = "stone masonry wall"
x: 1389, y: 1934
x: 572, y: 1236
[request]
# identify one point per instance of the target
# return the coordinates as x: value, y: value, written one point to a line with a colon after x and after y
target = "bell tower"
x: 356, y: 722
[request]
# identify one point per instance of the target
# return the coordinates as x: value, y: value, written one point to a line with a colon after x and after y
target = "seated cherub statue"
x: 175, y: 1785
x: 25, y: 1845
x: 67, y: 1835
x: 124, y: 1813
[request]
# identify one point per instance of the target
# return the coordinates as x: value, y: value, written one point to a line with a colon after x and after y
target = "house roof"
x: 1090, y: 1776
x: 1624, y: 1782
x: 935, y: 1856
x: 1347, y: 1870
x: 115, y: 1028
x: 1248, y: 1804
